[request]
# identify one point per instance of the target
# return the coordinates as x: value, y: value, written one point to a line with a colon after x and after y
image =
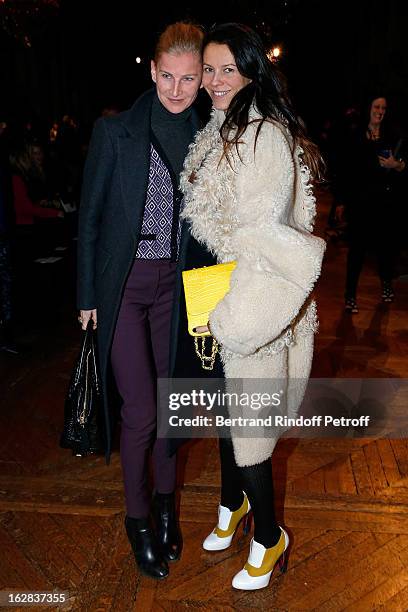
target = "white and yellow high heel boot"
x: 261, y: 562
x: 221, y: 537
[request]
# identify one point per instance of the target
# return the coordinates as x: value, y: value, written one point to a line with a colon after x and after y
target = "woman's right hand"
x: 85, y: 315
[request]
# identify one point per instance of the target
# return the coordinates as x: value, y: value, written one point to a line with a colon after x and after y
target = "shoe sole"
x: 143, y: 573
x: 263, y: 585
x: 173, y: 560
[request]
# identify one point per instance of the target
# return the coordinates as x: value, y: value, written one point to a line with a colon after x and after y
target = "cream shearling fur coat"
x: 259, y: 212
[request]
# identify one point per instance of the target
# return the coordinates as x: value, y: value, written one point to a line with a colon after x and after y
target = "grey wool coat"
x: 110, y: 219
x: 258, y: 210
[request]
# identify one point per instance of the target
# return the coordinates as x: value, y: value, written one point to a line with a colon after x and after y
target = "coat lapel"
x: 134, y: 160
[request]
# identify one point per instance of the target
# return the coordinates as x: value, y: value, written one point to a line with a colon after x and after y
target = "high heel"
x: 283, y: 562
x: 257, y: 571
x: 167, y: 526
x: 247, y: 522
x: 146, y: 548
x: 221, y: 537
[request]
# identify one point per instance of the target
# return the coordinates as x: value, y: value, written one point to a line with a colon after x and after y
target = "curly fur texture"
x: 258, y: 208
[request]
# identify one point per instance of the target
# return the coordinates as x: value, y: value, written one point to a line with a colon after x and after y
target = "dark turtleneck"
x: 174, y: 131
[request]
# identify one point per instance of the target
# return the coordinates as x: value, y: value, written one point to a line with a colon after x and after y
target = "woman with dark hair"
x: 369, y: 179
x: 248, y: 198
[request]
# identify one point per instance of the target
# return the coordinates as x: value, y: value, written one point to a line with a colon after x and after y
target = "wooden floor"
x: 344, y: 501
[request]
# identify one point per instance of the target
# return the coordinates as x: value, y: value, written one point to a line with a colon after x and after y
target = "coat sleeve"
x: 97, y: 174
x: 278, y: 263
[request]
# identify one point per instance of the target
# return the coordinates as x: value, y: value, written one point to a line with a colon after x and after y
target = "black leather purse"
x: 83, y: 404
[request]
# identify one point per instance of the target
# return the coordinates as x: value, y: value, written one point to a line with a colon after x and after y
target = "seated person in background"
x: 24, y: 173
x: 34, y: 236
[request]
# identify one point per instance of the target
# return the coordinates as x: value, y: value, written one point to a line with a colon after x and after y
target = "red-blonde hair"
x: 180, y: 37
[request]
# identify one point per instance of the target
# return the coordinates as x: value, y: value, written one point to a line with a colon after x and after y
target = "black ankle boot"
x: 167, y: 527
x: 146, y: 548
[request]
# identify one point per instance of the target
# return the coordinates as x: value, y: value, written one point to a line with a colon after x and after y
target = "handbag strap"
x: 207, y: 361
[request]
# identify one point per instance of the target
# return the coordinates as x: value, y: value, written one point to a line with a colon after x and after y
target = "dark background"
x: 78, y: 56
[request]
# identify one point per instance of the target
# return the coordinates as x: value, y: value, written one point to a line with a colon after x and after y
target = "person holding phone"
x: 369, y: 181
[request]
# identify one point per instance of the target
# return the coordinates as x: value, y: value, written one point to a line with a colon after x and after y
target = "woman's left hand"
x: 390, y: 162
x: 201, y: 329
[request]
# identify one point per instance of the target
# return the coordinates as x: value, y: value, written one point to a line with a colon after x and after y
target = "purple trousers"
x: 140, y: 355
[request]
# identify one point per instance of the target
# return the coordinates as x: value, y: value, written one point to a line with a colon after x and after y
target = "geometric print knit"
x: 160, y: 234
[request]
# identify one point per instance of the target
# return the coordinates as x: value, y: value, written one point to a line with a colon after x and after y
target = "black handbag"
x: 83, y: 404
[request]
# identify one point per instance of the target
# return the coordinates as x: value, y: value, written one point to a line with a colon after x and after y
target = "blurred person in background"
x: 6, y: 222
x: 31, y: 195
x: 30, y: 200
x: 370, y: 179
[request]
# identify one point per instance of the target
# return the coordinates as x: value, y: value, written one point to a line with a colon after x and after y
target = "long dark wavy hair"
x: 267, y: 90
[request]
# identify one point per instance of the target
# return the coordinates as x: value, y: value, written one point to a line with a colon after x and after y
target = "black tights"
x: 256, y: 481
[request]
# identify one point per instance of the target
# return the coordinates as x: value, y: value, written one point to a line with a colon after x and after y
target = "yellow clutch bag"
x: 203, y: 289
